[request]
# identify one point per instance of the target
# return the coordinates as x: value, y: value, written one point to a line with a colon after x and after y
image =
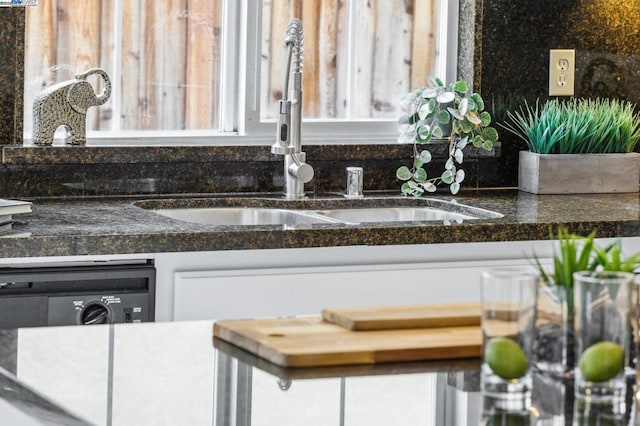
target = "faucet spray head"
x: 283, y: 142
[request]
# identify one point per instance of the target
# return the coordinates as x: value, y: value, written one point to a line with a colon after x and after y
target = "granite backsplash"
x: 511, y: 56
x: 503, y: 46
x: 96, y: 171
x: 11, y: 74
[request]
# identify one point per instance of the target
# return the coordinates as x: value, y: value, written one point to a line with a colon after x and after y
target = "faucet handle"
x: 301, y: 171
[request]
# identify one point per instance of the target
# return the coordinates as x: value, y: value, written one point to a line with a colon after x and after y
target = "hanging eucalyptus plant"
x: 442, y: 113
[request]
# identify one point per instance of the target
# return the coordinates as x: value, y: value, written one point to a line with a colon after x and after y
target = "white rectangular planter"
x: 578, y: 173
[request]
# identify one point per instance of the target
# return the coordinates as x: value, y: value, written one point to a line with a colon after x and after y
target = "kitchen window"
x: 212, y: 71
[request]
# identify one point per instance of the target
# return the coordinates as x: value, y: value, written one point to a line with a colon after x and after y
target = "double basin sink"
x: 255, y: 211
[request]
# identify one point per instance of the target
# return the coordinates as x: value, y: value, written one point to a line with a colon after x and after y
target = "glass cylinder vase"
x: 553, y: 346
x: 602, y: 333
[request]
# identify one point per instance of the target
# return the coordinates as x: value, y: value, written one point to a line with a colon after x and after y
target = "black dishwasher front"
x: 85, y: 294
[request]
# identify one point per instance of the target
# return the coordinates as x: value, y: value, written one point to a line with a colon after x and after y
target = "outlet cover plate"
x: 562, y: 71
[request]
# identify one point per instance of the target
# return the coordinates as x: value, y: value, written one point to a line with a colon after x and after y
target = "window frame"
x: 239, y: 113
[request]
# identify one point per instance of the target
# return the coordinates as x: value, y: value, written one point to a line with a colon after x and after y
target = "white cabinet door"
x: 280, y: 282
x: 250, y: 283
x: 265, y: 292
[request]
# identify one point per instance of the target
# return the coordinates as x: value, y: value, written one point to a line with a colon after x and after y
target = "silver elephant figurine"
x: 66, y: 104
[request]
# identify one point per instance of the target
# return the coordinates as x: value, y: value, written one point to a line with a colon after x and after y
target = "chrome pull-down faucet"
x: 289, y: 143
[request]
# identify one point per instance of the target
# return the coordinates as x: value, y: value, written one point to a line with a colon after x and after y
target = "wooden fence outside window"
x: 170, y: 57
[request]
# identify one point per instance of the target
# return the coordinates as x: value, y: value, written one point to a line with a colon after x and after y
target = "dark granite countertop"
x: 101, y: 226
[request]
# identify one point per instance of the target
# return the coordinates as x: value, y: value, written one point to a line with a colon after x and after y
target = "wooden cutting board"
x: 333, y: 371
x: 405, y: 316
x: 312, y: 342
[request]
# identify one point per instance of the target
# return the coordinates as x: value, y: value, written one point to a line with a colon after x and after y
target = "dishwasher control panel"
x: 84, y: 295
x: 99, y: 309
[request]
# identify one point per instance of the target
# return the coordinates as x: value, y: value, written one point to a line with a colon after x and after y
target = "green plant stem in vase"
x: 576, y: 253
x: 442, y: 113
x: 554, y: 348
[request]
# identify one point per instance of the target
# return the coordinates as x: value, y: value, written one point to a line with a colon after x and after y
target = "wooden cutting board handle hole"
x: 275, y: 335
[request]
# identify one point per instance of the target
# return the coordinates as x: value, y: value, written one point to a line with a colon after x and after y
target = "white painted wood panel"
x: 229, y: 294
x: 168, y: 264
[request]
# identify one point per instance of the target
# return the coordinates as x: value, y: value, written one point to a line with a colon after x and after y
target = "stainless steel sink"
x: 252, y: 216
x: 246, y: 216
x: 393, y: 214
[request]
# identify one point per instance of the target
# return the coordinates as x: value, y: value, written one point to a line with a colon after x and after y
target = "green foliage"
x: 576, y: 126
x: 435, y: 112
x: 577, y: 253
x: 610, y: 259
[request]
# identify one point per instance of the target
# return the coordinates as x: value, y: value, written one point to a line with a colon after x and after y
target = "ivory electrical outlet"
x: 562, y: 71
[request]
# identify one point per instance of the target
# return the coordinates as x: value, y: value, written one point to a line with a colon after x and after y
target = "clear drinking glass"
x: 553, y: 356
x: 602, y: 303
x: 508, y: 324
